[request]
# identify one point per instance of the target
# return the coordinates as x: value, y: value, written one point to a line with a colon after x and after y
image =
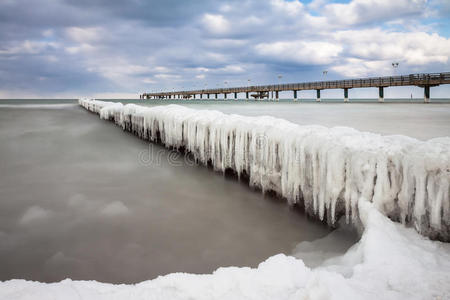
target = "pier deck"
x: 422, y: 80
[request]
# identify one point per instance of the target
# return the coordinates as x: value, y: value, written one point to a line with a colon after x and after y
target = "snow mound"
x: 326, y: 170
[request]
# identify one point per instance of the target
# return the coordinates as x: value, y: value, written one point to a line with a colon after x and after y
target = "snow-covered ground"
x: 334, y: 171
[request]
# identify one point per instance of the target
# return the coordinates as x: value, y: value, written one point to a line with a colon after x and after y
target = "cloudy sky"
x: 114, y: 48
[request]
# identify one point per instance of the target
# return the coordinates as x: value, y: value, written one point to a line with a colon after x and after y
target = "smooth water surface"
x: 417, y: 120
x: 82, y: 199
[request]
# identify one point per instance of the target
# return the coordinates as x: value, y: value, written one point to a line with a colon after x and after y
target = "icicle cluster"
x: 326, y: 170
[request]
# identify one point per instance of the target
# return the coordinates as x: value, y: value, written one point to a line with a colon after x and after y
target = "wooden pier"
x: 259, y: 92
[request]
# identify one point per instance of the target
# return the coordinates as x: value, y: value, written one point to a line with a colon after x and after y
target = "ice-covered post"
x: 235, y: 96
x: 201, y: 96
x: 426, y: 94
x: 345, y: 94
x: 318, y: 96
x: 295, y: 95
x: 380, y: 94
x: 207, y: 96
x: 216, y: 95
x: 224, y: 95
x: 276, y: 95
x: 246, y: 95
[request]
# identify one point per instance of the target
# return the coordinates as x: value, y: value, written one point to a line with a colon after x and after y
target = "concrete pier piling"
x: 345, y: 94
x: 426, y: 94
x: 380, y: 94
x: 317, y: 95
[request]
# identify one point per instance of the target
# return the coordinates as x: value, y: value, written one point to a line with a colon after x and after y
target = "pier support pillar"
x: 380, y: 94
x: 345, y: 94
x: 276, y: 95
x: 318, y: 96
x: 426, y: 94
x: 295, y: 95
x: 207, y: 96
x: 224, y: 96
x: 216, y: 96
x: 246, y: 96
x: 201, y: 96
x: 235, y: 96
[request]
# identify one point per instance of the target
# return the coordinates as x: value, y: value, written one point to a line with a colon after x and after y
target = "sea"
x: 82, y: 199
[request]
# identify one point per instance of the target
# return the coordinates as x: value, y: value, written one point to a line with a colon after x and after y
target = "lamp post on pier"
x: 276, y: 93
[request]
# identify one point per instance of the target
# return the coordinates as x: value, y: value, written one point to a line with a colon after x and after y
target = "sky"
x: 119, y: 49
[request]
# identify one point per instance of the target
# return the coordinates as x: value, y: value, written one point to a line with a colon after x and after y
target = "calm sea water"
x: 81, y: 198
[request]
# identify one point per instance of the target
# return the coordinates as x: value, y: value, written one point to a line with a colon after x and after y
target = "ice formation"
x: 329, y: 171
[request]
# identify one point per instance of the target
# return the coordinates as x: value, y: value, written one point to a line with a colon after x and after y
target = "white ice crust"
x: 365, y: 175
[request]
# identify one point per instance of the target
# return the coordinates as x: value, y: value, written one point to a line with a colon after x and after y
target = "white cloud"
x: 84, y: 34
x: 371, y: 52
x: 317, y: 4
x: 301, y: 51
x: 161, y: 69
x: 34, y: 214
x: 82, y: 48
x: 167, y: 76
x: 225, y: 8
x: 134, y: 95
x: 116, y: 208
x: 120, y: 55
x: 226, y: 43
x: 366, y: 11
x: 231, y: 69
x: 117, y: 69
x: 202, y: 69
x: 200, y: 76
x: 148, y: 80
x: 290, y: 8
x: 216, y: 24
x: 29, y: 47
x: 354, y: 67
